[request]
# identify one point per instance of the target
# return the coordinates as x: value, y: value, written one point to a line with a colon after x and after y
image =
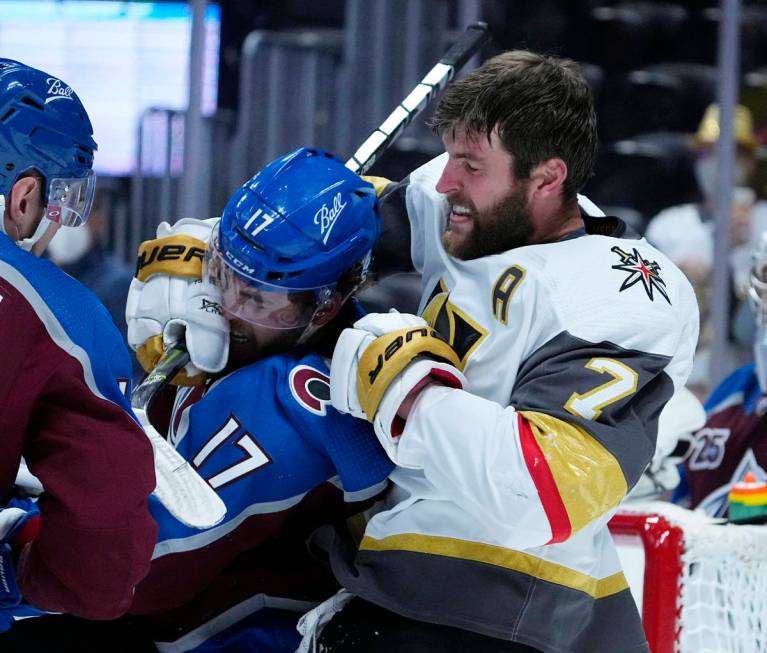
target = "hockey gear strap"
x: 168, y: 303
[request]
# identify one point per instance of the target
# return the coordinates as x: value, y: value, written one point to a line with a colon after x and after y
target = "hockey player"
x: 514, y: 445
x: 65, y: 378
x: 289, y: 250
x: 732, y: 443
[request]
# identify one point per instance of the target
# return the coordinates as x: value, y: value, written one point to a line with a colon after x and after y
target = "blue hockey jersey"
x: 284, y: 462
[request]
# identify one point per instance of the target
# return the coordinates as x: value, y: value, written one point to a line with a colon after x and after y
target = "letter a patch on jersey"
x: 311, y: 388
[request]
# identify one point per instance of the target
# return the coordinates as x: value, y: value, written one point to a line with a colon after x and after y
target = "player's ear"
x: 548, y: 177
x: 24, y: 204
x: 327, y: 310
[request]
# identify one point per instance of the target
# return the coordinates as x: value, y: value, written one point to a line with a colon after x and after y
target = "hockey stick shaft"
x: 436, y: 79
x: 171, y: 364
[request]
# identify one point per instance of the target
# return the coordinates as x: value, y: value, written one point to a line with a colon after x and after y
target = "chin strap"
x: 25, y: 243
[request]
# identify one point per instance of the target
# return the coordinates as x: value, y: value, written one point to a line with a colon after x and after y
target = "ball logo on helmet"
x: 58, y: 89
x: 326, y: 217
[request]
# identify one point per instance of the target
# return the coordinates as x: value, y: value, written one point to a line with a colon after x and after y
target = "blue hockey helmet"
x: 44, y: 127
x: 288, y: 235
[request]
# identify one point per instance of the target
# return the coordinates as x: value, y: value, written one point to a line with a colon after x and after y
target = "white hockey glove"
x: 168, y: 302
x: 382, y: 364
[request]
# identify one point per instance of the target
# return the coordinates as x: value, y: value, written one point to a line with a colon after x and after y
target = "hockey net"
x: 701, y: 585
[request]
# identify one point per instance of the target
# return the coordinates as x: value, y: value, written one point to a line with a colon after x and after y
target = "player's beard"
x: 250, y: 345
x: 505, y: 225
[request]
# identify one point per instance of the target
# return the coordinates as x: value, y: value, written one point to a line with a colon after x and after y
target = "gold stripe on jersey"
x: 589, y: 479
x: 499, y: 556
x: 504, y: 289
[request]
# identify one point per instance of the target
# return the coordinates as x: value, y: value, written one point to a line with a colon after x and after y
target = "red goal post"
x: 700, y: 584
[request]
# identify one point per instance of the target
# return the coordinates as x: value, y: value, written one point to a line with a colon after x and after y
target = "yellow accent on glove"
x: 177, y: 255
x: 379, y: 183
x: 391, y: 353
x: 149, y: 354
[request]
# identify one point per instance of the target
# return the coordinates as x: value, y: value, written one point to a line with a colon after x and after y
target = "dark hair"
x: 541, y: 106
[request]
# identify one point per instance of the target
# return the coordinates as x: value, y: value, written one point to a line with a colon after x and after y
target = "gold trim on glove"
x: 391, y: 353
x: 177, y: 255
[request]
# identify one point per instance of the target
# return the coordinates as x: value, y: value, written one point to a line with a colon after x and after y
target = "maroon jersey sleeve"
x: 62, y: 408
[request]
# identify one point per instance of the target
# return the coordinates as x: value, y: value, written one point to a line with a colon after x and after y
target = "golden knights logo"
x: 640, y: 270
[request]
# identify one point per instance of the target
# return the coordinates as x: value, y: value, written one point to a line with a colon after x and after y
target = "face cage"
x: 70, y: 199
x: 260, y: 302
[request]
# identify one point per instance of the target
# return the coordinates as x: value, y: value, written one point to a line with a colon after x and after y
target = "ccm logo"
x: 395, y: 345
x: 169, y: 253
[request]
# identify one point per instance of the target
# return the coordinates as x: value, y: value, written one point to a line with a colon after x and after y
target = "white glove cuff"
x: 343, y: 371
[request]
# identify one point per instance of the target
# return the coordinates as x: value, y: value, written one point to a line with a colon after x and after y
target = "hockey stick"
x: 171, y: 364
x: 183, y: 492
x: 436, y: 79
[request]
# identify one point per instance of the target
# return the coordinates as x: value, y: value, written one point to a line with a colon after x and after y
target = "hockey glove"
x: 19, y: 524
x: 168, y: 302
x: 379, y: 183
x: 382, y: 364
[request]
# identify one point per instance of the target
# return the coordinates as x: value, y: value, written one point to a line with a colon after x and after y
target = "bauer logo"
x: 57, y: 90
x: 326, y: 217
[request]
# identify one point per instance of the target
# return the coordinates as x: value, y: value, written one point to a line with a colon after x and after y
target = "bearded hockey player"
x: 279, y: 269
x: 514, y: 445
x: 65, y: 376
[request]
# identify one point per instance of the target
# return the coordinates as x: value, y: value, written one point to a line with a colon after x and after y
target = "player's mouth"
x: 460, y: 216
x: 239, y: 337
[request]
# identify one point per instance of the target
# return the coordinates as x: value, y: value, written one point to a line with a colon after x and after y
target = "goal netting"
x: 700, y: 584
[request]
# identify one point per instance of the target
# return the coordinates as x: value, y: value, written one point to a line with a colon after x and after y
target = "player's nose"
x: 448, y: 181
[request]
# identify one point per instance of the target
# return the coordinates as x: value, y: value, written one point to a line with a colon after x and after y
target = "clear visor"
x: 259, y: 302
x: 70, y: 200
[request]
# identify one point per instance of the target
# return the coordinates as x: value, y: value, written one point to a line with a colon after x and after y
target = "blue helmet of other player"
x: 45, y: 128
x: 288, y: 235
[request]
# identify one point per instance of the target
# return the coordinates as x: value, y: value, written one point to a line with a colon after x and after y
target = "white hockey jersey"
x: 498, y: 520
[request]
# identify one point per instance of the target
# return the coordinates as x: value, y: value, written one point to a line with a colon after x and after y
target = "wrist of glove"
x: 168, y: 302
x: 19, y: 524
x: 382, y: 363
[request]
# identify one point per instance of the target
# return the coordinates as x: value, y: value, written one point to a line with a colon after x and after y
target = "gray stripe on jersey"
x: 493, y: 601
x: 628, y: 428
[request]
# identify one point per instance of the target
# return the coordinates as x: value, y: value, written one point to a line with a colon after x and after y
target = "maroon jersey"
x: 732, y: 442
x: 63, y: 406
